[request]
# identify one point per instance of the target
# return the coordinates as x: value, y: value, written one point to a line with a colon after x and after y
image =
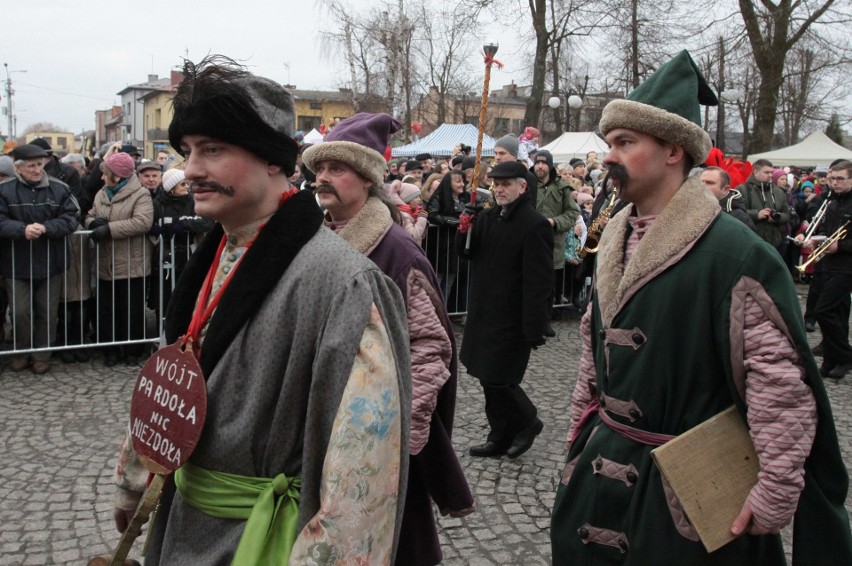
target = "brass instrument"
x: 822, y: 250
x: 593, y: 238
x: 815, y: 222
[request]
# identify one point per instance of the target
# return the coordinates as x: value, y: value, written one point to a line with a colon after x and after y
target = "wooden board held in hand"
x: 711, y: 469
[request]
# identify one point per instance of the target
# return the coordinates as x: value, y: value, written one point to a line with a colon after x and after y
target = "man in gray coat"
x: 305, y: 355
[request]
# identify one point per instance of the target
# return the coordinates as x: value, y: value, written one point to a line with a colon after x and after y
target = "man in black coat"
x: 718, y: 182
x: 511, y: 255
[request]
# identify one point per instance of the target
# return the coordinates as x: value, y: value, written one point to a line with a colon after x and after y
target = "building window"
x: 474, y: 120
x: 308, y: 123
x: 62, y: 142
x: 316, y: 105
x: 501, y: 127
x: 517, y: 126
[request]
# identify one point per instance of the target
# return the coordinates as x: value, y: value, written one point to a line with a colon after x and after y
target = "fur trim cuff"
x: 658, y: 123
x: 369, y: 163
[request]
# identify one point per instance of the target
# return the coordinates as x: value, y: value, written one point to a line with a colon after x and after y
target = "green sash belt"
x: 270, y: 507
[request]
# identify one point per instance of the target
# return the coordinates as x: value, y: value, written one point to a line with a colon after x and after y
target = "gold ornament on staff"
x: 489, y: 51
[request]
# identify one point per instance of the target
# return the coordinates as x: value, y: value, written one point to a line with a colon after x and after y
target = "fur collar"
x: 263, y: 265
x: 367, y: 228
x: 685, y: 218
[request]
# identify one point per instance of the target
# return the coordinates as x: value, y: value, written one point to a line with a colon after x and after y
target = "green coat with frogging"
x: 667, y: 345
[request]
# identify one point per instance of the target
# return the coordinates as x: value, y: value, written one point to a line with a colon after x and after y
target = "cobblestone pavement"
x: 59, y: 434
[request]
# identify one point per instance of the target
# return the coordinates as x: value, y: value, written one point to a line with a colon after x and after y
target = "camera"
x: 775, y: 215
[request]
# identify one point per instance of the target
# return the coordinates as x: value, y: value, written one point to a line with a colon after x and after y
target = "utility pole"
x: 10, y: 117
x: 8, y: 102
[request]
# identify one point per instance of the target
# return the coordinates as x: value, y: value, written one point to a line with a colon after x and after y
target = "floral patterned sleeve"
x: 360, y: 478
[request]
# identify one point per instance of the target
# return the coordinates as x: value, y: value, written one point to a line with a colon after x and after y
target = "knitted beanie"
x: 509, y: 143
x: 666, y: 106
x: 777, y: 174
x: 120, y: 164
x: 360, y: 142
x: 7, y: 166
x: 408, y: 192
x: 172, y: 179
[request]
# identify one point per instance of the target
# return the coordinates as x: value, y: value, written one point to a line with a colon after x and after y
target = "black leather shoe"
x: 839, y: 371
x: 524, y: 439
x: 110, y: 360
x: 810, y: 325
x: 488, y: 450
x: 818, y: 350
x: 67, y: 357
x: 549, y: 332
x: 825, y: 368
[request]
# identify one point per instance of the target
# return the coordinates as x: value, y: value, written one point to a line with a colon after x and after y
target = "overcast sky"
x: 78, y: 55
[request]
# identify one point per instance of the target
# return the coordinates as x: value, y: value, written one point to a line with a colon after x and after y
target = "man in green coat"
x: 556, y: 203
x: 682, y: 325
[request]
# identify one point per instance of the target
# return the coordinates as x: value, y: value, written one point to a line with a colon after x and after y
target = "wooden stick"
x: 490, y: 51
x: 134, y: 529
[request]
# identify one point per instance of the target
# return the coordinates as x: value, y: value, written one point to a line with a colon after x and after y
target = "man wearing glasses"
x: 832, y: 310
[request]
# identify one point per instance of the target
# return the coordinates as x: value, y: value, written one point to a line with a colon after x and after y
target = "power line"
x: 63, y: 91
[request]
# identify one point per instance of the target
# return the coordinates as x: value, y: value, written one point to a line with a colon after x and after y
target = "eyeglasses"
x: 837, y: 179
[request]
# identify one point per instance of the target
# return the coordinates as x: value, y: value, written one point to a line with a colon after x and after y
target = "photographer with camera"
x: 767, y: 205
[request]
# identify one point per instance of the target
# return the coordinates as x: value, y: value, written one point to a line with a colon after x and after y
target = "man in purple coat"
x: 350, y: 168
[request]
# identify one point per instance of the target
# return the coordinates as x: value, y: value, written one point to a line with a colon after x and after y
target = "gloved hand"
x: 178, y: 228
x: 534, y: 343
x: 98, y: 222
x: 100, y: 233
x: 472, y: 209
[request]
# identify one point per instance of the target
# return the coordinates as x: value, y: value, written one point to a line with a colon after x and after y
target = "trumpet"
x: 822, y: 250
x: 817, y: 219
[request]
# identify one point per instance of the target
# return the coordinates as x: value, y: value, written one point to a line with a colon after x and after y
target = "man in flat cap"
x: 151, y: 176
x: 305, y: 355
x: 425, y: 160
x: 511, y: 271
x: 691, y: 313
x: 37, y: 212
x: 349, y: 167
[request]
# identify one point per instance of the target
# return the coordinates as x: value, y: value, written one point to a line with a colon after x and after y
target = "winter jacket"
x: 838, y: 213
x: 556, y: 201
x: 511, y: 271
x: 734, y: 204
x: 126, y: 254
x: 68, y: 175
x: 766, y: 195
x: 48, y: 202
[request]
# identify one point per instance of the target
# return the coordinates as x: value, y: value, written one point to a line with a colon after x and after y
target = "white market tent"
x: 576, y: 144
x: 441, y: 142
x: 817, y: 148
x: 312, y: 137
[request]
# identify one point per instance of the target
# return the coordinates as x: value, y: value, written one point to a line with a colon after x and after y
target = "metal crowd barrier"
x: 90, y: 312
x: 454, y: 273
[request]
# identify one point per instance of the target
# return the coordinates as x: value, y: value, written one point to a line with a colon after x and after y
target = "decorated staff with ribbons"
x: 302, y: 343
x: 691, y: 313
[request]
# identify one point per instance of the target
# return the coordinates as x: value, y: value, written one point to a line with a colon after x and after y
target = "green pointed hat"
x: 667, y: 106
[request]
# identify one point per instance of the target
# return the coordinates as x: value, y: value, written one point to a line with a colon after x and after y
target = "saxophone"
x: 593, y: 238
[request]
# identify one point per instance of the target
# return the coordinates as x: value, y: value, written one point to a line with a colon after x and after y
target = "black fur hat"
x: 218, y: 98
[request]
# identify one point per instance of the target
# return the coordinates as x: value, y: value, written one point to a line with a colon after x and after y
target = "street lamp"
x: 731, y: 96
x: 9, y: 92
x: 574, y: 102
